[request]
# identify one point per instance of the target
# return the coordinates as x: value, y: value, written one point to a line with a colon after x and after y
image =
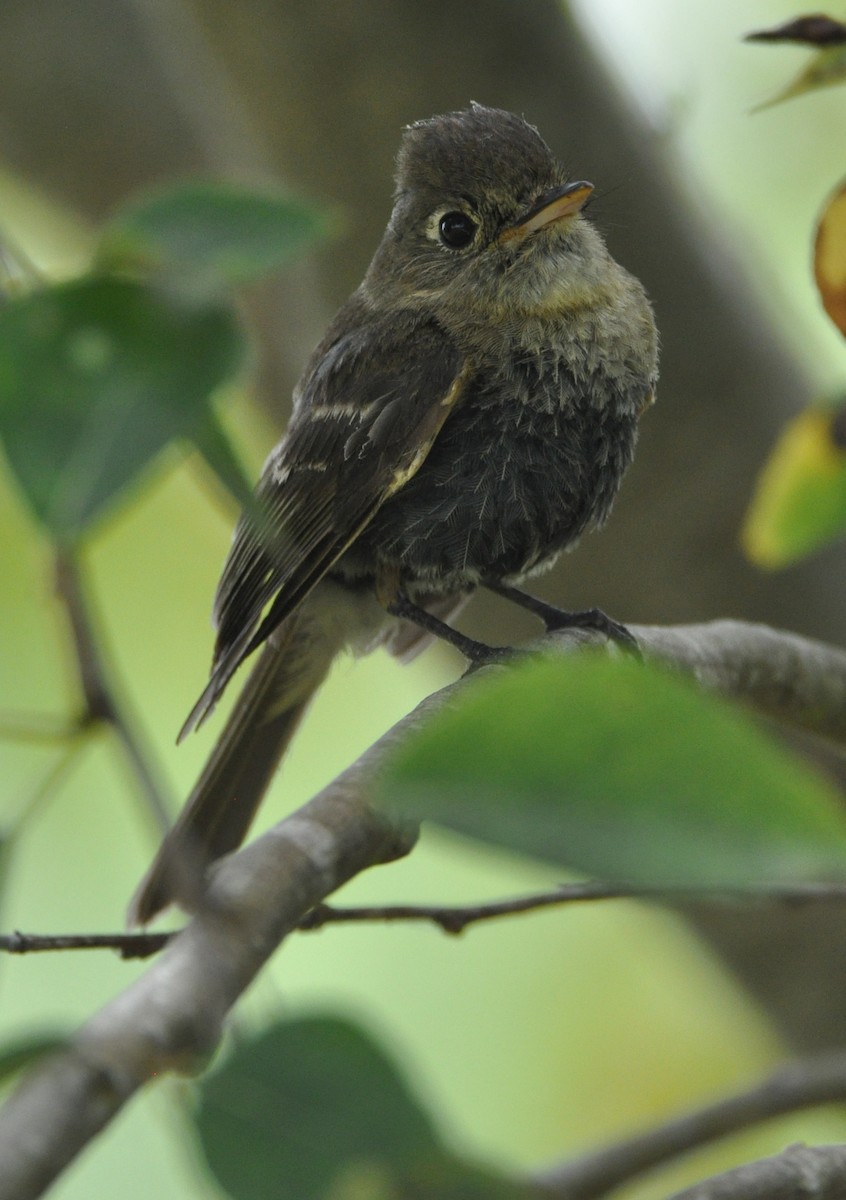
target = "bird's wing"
x: 366, y: 417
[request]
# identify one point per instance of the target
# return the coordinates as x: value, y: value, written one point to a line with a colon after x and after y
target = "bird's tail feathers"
x: 220, y: 809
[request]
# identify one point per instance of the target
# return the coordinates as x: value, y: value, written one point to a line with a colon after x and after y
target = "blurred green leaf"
x: 17, y: 274
x: 96, y: 377
x: 312, y: 1110
x: 210, y: 233
x: 287, y: 1112
x: 622, y: 771
x: 800, y: 497
x: 17, y: 1056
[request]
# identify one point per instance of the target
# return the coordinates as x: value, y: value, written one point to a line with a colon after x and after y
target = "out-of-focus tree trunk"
x: 102, y: 97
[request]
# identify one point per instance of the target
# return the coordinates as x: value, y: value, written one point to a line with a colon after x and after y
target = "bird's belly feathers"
x: 507, y: 485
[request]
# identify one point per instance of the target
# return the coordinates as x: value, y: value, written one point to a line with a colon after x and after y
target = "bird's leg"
x: 559, y: 618
x: 478, y: 653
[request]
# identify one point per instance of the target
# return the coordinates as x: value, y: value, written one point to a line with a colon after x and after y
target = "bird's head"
x: 486, y: 220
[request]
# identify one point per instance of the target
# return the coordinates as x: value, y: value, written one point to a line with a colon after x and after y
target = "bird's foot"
x: 591, y: 618
x: 478, y: 654
x: 483, y: 655
x: 559, y: 618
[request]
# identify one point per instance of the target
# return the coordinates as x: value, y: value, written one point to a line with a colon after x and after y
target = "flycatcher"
x: 468, y: 415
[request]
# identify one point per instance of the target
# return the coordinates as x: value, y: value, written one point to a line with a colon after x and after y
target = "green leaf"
x: 313, y: 1109
x: 621, y: 771
x: 214, y: 232
x: 96, y: 377
x: 17, y: 274
x: 800, y: 497
x: 287, y: 1112
x: 16, y: 1056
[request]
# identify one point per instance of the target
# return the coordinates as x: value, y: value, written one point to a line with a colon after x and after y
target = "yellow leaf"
x: 830, y: 258
x: 800, y: 500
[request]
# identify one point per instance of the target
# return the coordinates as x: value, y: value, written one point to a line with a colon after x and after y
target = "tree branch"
x: 171, y: 1018
x: 455, y: 919
x: 798, y: 1173
x: 130, y: 945
x: 99, y: 693
x: 796, y: 680
x: 173, y: 1015
x: 799, y: 1085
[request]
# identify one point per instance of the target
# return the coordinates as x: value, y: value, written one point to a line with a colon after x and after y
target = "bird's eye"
x: 456, y: 230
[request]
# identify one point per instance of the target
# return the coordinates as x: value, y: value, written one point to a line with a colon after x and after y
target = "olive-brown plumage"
x: 469, y: 413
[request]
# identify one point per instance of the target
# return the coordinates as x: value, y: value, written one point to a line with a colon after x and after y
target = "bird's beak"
x: 552, y: 206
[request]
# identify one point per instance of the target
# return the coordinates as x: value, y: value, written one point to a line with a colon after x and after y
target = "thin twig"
x: 37, y: 727
x: 455, y: 919
x: 99, y: 693
x: 130, y: 945
x: 452, y: 919
x: 51, y: 780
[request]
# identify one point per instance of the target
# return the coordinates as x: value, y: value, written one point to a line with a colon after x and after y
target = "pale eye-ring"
x: 454, y: 229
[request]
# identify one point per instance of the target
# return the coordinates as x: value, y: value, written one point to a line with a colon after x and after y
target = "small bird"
x: 469, y: 413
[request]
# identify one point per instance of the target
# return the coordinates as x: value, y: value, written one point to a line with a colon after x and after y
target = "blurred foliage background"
x: 531, y: 1038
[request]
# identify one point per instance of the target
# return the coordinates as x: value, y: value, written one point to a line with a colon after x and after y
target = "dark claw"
x: 487, y: 656
x: 558, y: 618
x: 592, y: 618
